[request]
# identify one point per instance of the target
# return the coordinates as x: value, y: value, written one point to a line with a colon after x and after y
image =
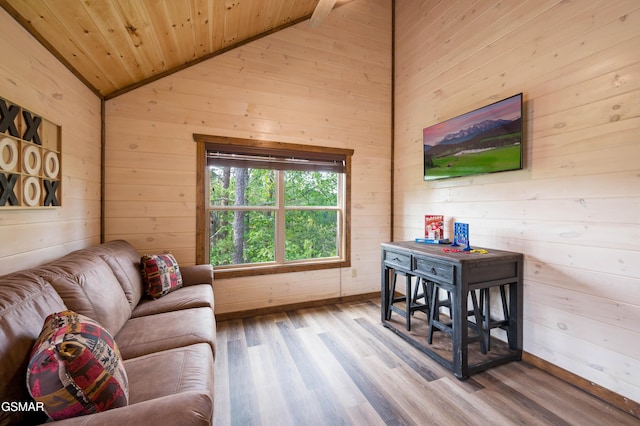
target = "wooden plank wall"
x: 574, y: 211
x: 32, y: 78
x: 329, y: 87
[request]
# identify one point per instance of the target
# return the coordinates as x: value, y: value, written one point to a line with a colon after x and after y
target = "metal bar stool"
x: 447, y: 327
x: 410, y: 298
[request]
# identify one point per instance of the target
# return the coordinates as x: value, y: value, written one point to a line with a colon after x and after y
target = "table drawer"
x: 442, y: 272
x: 399, y: 260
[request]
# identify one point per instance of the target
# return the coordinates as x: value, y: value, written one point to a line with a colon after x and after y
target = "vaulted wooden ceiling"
x: 116, y: 45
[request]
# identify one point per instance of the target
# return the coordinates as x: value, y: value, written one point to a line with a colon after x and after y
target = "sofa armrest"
x: 197, y: 274
x: 186, y: 408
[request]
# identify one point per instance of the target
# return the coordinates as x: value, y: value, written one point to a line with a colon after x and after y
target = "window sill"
x: 236, y: 272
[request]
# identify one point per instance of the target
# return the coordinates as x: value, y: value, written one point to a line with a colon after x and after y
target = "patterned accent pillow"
x: 75, y: 368
x: 160, y: 274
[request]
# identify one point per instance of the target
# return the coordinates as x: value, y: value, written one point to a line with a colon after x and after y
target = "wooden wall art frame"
x: 30, y: 159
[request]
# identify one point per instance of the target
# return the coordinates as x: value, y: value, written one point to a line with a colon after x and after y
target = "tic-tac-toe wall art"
x: 30, y: 172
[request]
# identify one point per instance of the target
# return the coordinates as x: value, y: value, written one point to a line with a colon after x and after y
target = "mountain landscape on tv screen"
x: 483, y: 135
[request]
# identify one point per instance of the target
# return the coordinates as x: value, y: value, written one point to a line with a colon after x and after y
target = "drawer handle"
x: 433, y: 271
x: 396, y: 258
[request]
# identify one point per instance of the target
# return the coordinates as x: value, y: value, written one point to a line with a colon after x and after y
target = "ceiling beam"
x: 321, y: 11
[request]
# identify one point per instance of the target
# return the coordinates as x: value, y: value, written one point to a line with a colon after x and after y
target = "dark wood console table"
x: 462, y: 272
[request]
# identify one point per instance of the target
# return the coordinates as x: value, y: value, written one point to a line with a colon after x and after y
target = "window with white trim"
x: 271, y: 207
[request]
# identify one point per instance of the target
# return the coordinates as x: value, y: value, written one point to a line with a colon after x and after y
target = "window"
x: 270, y: 207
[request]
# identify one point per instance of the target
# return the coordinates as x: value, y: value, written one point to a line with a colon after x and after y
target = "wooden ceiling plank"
x: 75, y: 19
x: 271, y: 15
x: 251, y: 12
x: 259, y: 13
x: 201, y: 25
x: 142, y: 34
x: 212, y: 24
x: 193, y: 22
x: 125, y: 60
x: 43, y: 19
x: 160, y: 27
x: 267, y: 15
x: 179, y: 15
x: 231, y: 22
x: 289, y: 10
x: 216, y: 24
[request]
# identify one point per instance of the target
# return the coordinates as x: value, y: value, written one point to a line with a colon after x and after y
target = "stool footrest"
x: 409, y: 299
x: 441, y: 326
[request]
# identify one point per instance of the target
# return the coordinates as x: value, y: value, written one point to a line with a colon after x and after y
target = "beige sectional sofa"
x: 167, y: 344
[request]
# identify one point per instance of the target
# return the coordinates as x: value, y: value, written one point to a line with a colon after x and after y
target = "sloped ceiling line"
x: 117, y: 46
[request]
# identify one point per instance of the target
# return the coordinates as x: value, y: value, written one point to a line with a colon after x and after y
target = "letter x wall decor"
x: 30, y: 172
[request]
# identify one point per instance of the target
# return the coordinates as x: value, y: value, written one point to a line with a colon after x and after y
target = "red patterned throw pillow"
x: 160, y: 274
x: 75, y: 368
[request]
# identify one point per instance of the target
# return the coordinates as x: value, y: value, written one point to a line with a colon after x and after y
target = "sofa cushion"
x: 75, y: 368
x: 184, y: 369
x: 195, y: 296
x: 192, y: 408
x: 88, y: 286
x: 124, y: 261
x: 121, y: 269
x: 25, y: 301
x: 160, y: 274
x: 169, y: 330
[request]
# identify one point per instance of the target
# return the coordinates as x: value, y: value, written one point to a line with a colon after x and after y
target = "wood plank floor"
x: 337, y: 365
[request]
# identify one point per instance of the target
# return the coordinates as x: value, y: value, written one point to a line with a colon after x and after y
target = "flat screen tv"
x: 486, y: 140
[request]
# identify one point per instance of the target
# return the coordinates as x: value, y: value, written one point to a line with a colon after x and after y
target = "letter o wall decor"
x: 30, y: 159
